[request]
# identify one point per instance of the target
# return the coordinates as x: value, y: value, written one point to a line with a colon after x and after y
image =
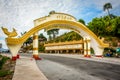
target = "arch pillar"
x: 67, y: 51
x: 58, y: 51
x: 88, y: 47
x: 50, y: 51
x: 35, y: 46
x: 85, y: 47
x: 55, y: 51
x: 61, y: 51
x: 74, y: 51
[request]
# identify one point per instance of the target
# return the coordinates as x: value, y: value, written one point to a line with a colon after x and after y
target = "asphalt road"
x: 62, y: 68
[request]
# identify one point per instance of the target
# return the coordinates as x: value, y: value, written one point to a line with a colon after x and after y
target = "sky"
x: 19, y: 14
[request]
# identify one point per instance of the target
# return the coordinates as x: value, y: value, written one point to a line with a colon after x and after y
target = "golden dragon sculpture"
x: 9, y: 34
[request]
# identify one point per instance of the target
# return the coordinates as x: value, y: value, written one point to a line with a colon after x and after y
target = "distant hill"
x: 70, y: 36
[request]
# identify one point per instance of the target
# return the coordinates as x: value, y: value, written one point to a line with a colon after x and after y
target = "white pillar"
x: 74, y: 51
x: 85, y: 48
x: 67, y: 51
x: 58, y: 51
x: 61, y: 51
x: 35, y: 46
x: 55, y: 51
x: 88, y: 47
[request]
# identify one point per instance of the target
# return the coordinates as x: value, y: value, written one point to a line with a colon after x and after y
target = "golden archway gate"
x: 62, y: 21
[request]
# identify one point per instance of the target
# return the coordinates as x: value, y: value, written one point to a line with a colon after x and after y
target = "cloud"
x: 21, y: 13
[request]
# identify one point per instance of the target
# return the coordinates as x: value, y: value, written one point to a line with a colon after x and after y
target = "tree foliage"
x: 104, y: 26
x: 42, y: 37
x: 81, y: 21
x: 70, y: 36
x: 97, y: 26
x: 52, y: 33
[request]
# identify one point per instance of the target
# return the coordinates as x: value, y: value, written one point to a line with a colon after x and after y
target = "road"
x: 62, y: 68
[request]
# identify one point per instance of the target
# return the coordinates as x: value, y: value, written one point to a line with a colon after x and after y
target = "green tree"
x: 117, y: 30
x: 70, y: 36
x: 49, y: 33
x: 81, y: 21
x: 42, y: 37
x: 107, y: 6
x: 110, y: 25
x: 97, y: 26
x: 41, y: 47
x: 104, y: 26
x: 55, y: 32
x: 52, y: 32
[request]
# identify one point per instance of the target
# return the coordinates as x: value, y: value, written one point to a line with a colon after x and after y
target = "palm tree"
x: 49, y: 33
x: 107, y: 6
x: 42, y: 37
x: 53, y: 32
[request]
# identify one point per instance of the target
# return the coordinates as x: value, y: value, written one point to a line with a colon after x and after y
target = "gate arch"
x: 56, y: 20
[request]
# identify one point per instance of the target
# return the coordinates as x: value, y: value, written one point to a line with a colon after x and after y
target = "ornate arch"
x: 62, y: 21
x: 60, y: 24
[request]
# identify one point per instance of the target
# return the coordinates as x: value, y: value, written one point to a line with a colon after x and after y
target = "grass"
x: 3, y: 71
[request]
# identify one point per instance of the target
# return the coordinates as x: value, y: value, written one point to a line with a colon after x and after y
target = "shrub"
x: 0, y: 56
x: 3, y: 60
x: 5, y: 72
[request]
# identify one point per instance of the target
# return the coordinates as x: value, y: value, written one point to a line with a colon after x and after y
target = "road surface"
x: 62, y: 68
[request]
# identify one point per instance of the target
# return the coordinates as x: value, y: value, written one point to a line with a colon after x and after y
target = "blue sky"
x: 21, y: 13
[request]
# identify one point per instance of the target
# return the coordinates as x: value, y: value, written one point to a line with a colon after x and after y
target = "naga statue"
x: 9, y: 34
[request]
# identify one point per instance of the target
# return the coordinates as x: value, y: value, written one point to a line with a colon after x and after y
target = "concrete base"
x: 14, y: 58
x: 36, y: 57
x: 99, y: 56
x: 18, y: 56
x: 85, y: 55
x: 89, y: 56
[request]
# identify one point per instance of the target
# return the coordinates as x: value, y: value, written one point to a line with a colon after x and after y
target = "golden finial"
x: 9, y: 34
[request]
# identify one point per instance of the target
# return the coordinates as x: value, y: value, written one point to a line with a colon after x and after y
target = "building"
x: 65, y: 47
